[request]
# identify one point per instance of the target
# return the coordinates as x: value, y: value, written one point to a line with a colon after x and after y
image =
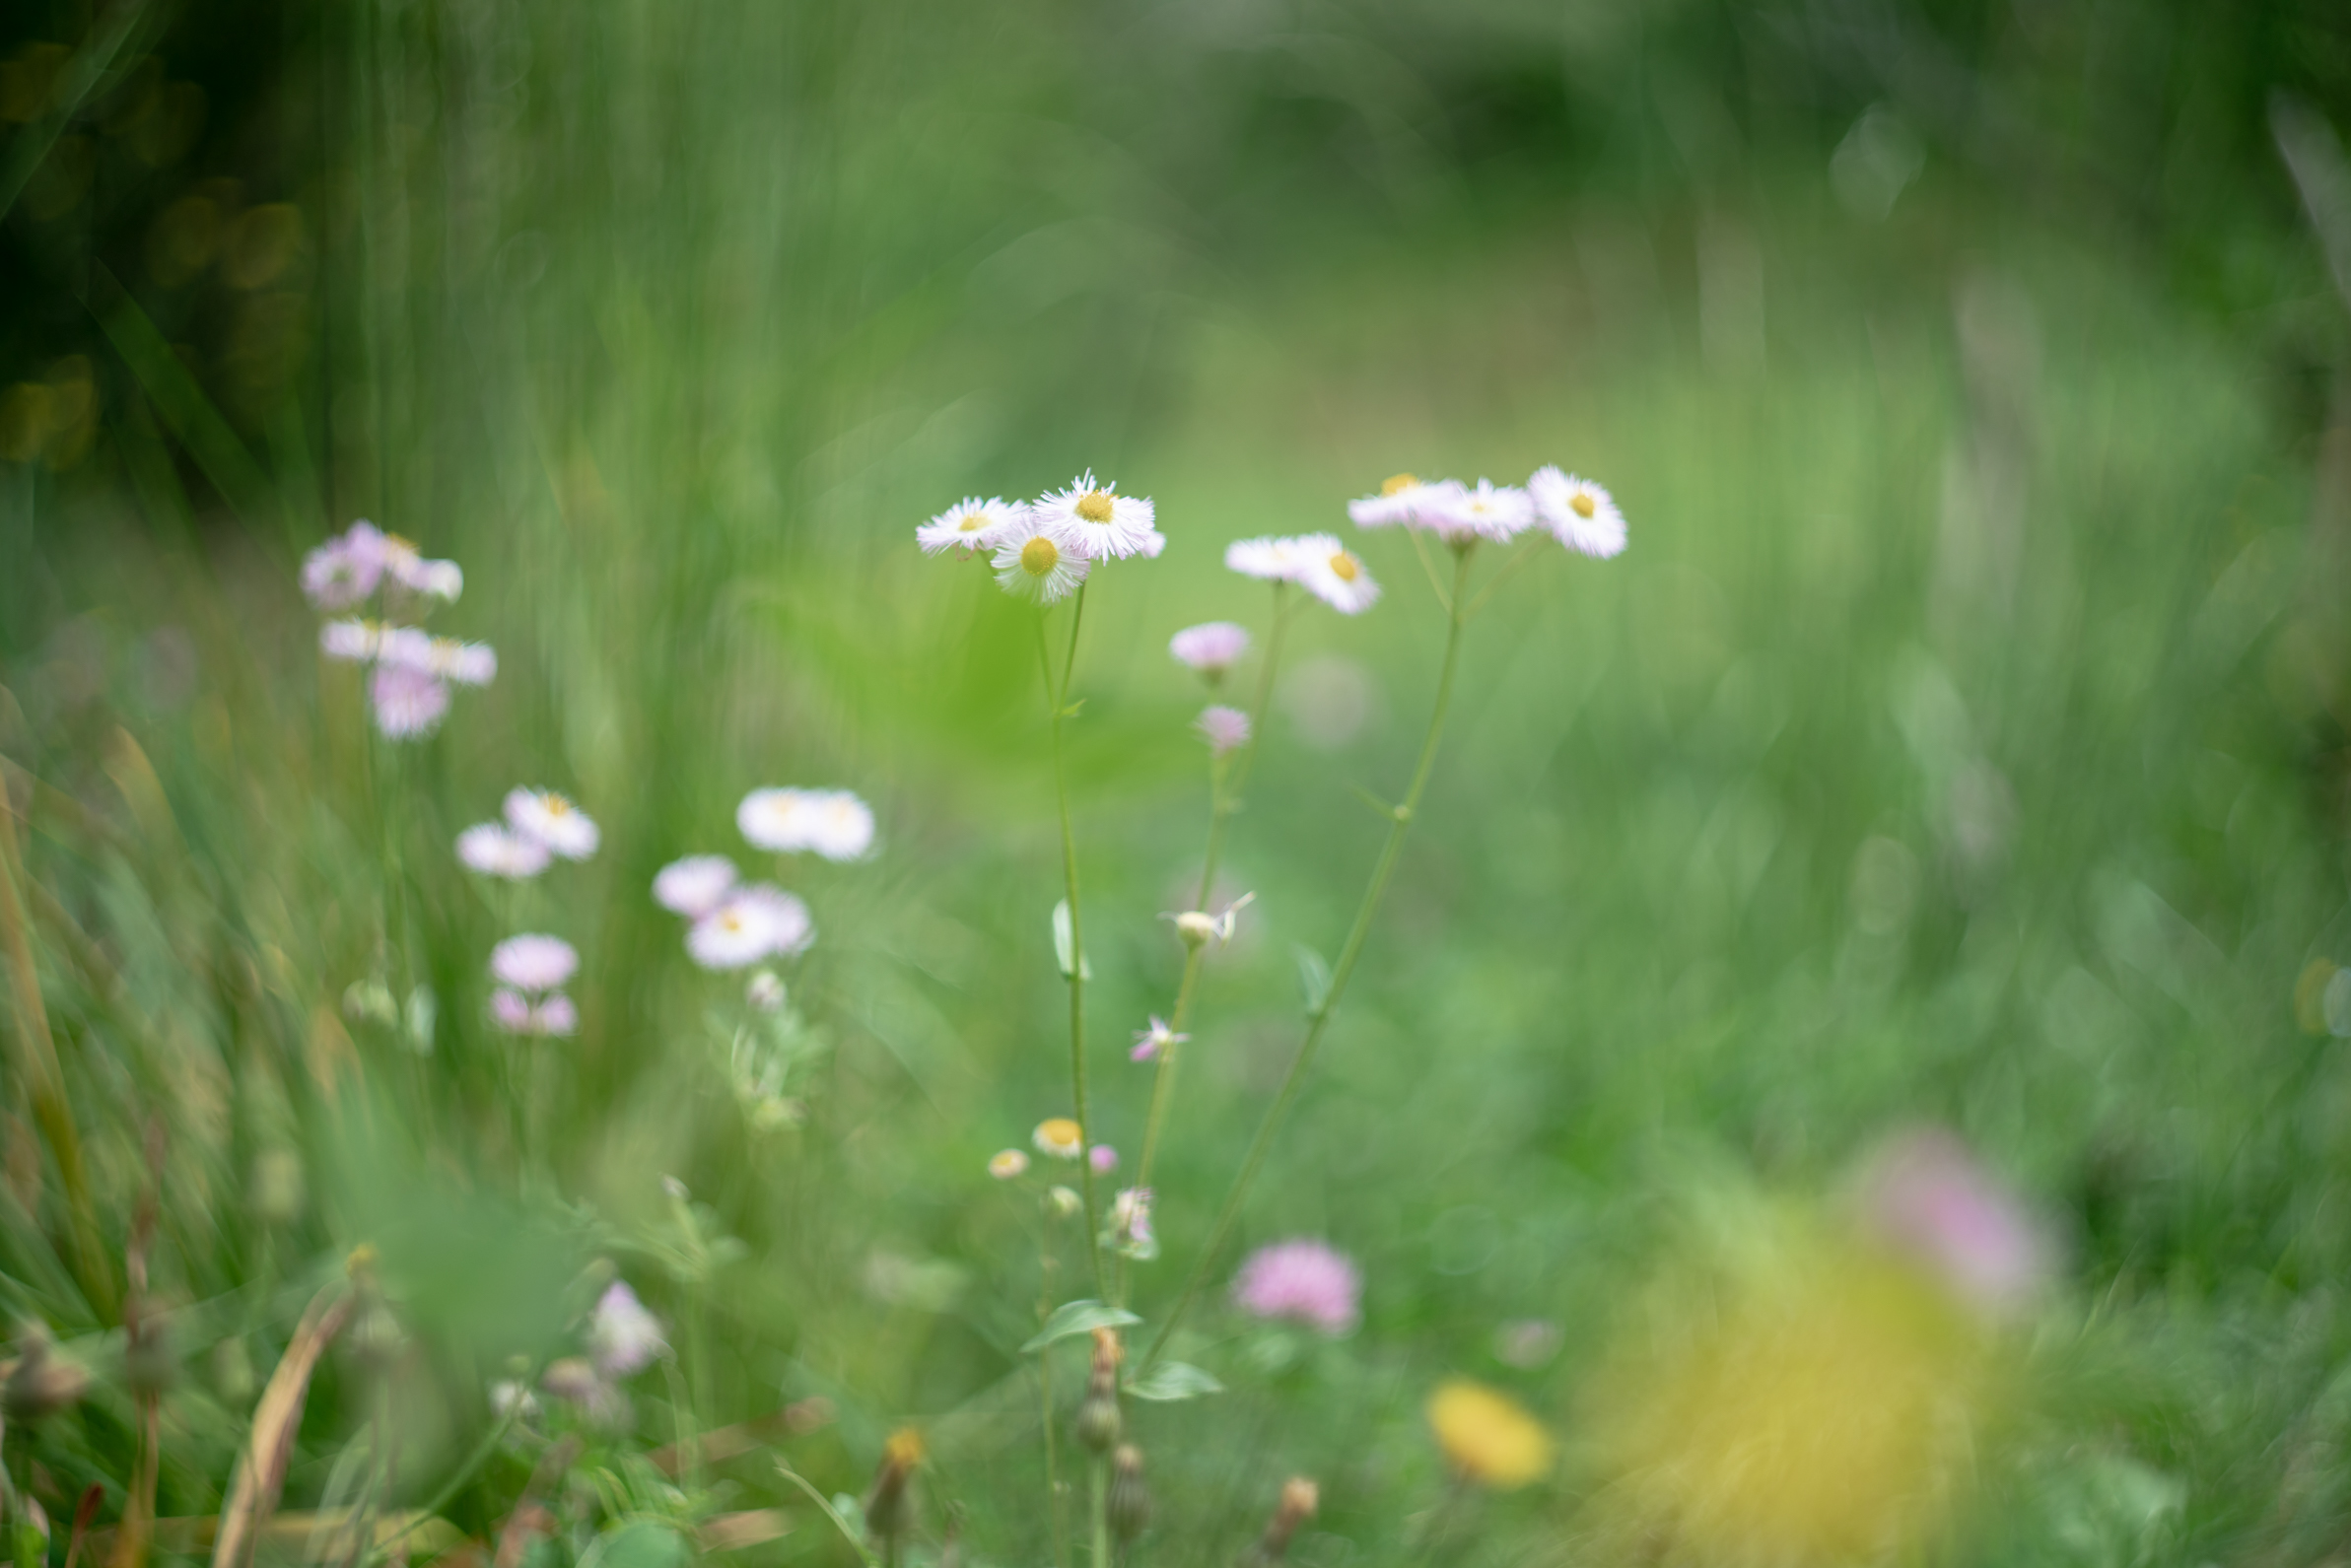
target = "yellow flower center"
x: 973, y: 522
x: 1581, y: 504
x: 1058, y: 1135
x: 1342, y: 566
x: 732, y: 921
x: 1039, y: 556
x: 1397, y: 484
x: 1094, y: 506
x: 557, y: 805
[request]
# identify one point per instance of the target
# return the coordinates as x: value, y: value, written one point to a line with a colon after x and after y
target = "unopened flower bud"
x: 765, y: 992
x: 1064, y: 1204
x: 42, y: 1382
x: 150, y: 1365
x: 1099, y: 1421
x: 1130, y: 1501
x: 1299, y: 1499
x: 885, y: 1504
x: 1195, y: 927
x: 572, y: 1380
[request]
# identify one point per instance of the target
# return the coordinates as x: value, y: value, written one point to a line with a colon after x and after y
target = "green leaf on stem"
x: 1065, y: 939
x: 1077, y: 1318
x: 1168, y: 1380
x: 1314, y: 975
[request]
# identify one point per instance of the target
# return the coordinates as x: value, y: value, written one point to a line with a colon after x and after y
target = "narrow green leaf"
x: 1173, y: 1380
x: 186, y: 411
x: 1079, y: 1317
x: 1064, y: 938
x: 1314, y: 977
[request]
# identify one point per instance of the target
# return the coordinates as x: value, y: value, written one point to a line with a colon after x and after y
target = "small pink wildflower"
x: 1304, y: 1280
x: 1225, y: 730
x: 408, y: 703
x: 1211, y: 648
x: 1152, y: 1043
x: 1928, y: 1196
x: 535, y: 963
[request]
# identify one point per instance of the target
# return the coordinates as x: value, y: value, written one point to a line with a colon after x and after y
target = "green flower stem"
x: 1058, y: 695
x: 1055, y: 1510
x: 1319, y: 1020
x: 1226, y: 777
x: 1101, y: 1502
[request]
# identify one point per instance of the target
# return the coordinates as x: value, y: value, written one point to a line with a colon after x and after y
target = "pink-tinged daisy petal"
x: 553, y: 821
x: 408, y: 704
x: 694, y: 885
x: 532, y: 962
x: 1211, y: 648
x: 1579, y: 513
x: 1336, y: 575
x: 497, y: 851
x: 970, y: 524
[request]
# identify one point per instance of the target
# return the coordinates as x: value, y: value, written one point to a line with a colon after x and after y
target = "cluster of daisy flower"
x: 1578, y: 513
x: 1059, y: 1138
x: 409, y: 688
x: 540, y: 827
x: 1315, y: 562
x: 622, y: 1338
x: 734, y: 924
x: 1042, y: 550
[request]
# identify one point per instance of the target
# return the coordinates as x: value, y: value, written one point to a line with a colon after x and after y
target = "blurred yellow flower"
x: 1486, y: 1436
x: 1060, y: 1137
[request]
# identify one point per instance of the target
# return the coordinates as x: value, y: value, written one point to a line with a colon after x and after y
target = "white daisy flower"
x: 1579, y: 513
x: 354, y: 640
x: 1094, y: 522
x: 495, y: 851
x: 623, y: 1338
x: 1005, y: 1164
x: 1335, y: 575
x: 844, y: 828
x: 408, y: 703
x: 749, y: 924
x: 970, y: 524
x: 1060, y: 1137
x: 553, y: 821
x: 834, y: 823
x: 510, y: 1011
x: 434, y: 580
x: 1489, y: 511
x: 408, y: 647
x: 533, y: 963
x: 1211, y: 648
x: 694, y: 885
x: 555, y: 1015
x: 1036, y: 563
x: 1275, y: 560
x: 1403, y: 499
x: 466, y: 663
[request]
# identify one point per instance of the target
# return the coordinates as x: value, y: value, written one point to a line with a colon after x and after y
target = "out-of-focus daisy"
x: 1225, y: 730
x: 1488, y: 510
x: 764, y: 991
x: 511, y: 1401
x: 554, y: 821
x: 832, y: 823
x: 1152, y: 1043
x: 970, y: 524
x: 1403, y: 499
x: 532, y: 962
x: 1579, y: 513
x: 623, y: 1338
x: 1487, y: 1437
x: 408, y: 647
x: 343, y: 570
x: 434, y: 580
x: 408, y: 703
x: 466, y: 663
x: 1336, y: 575
x: 1130, y: 1223
x: 1005, y: 1164
x: 350, y: 639
x: 748, y: 924
x: 1060, y: 1137
x: 1304, y: 1281
x: 1103, y: 1158
x: 1928, y: 1196
x: 1211, y: 648
x: 518, y: 1014
x: 496, y: 850
x: 694, y: 885
x: 510, y: 1011
x: 1094, y: 522
x: 1035, y: 564
x: 1274, y: 559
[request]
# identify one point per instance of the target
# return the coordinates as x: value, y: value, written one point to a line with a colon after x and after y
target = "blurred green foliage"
x: 1960, y: 741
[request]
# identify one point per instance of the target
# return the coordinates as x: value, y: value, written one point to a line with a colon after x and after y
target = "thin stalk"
x: 1526, y: 551
x: 1101, y: 1472
x: 1056, y: 695
x: 1320, y: 1019
x: 1226, y: 777
x: 1056, y: 1509
x: 450, y: 1488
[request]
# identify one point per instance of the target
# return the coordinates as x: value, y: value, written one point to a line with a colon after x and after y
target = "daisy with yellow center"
x: 1488, y: 1437
x: 1402, y: 499
x: 972, y: 523
x: 1035, y: 563
x: 1579, y: 513
x: 1335, y: 575
x: 1486, y: 511
x: 1060, y: 1137
x: 1093, y: 522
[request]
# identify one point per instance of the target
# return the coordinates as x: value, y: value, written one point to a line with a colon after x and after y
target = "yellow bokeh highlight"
x: 1488, y: 1437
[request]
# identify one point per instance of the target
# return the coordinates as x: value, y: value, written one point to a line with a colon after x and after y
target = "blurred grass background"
x: 1961, y: 740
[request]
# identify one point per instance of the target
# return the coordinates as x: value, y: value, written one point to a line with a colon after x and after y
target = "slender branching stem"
x: 1055, y: 1509
x: 1526, y: 551
x: 1227, y: 775
x: 1058, y: 695
x: 1341, y: 971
